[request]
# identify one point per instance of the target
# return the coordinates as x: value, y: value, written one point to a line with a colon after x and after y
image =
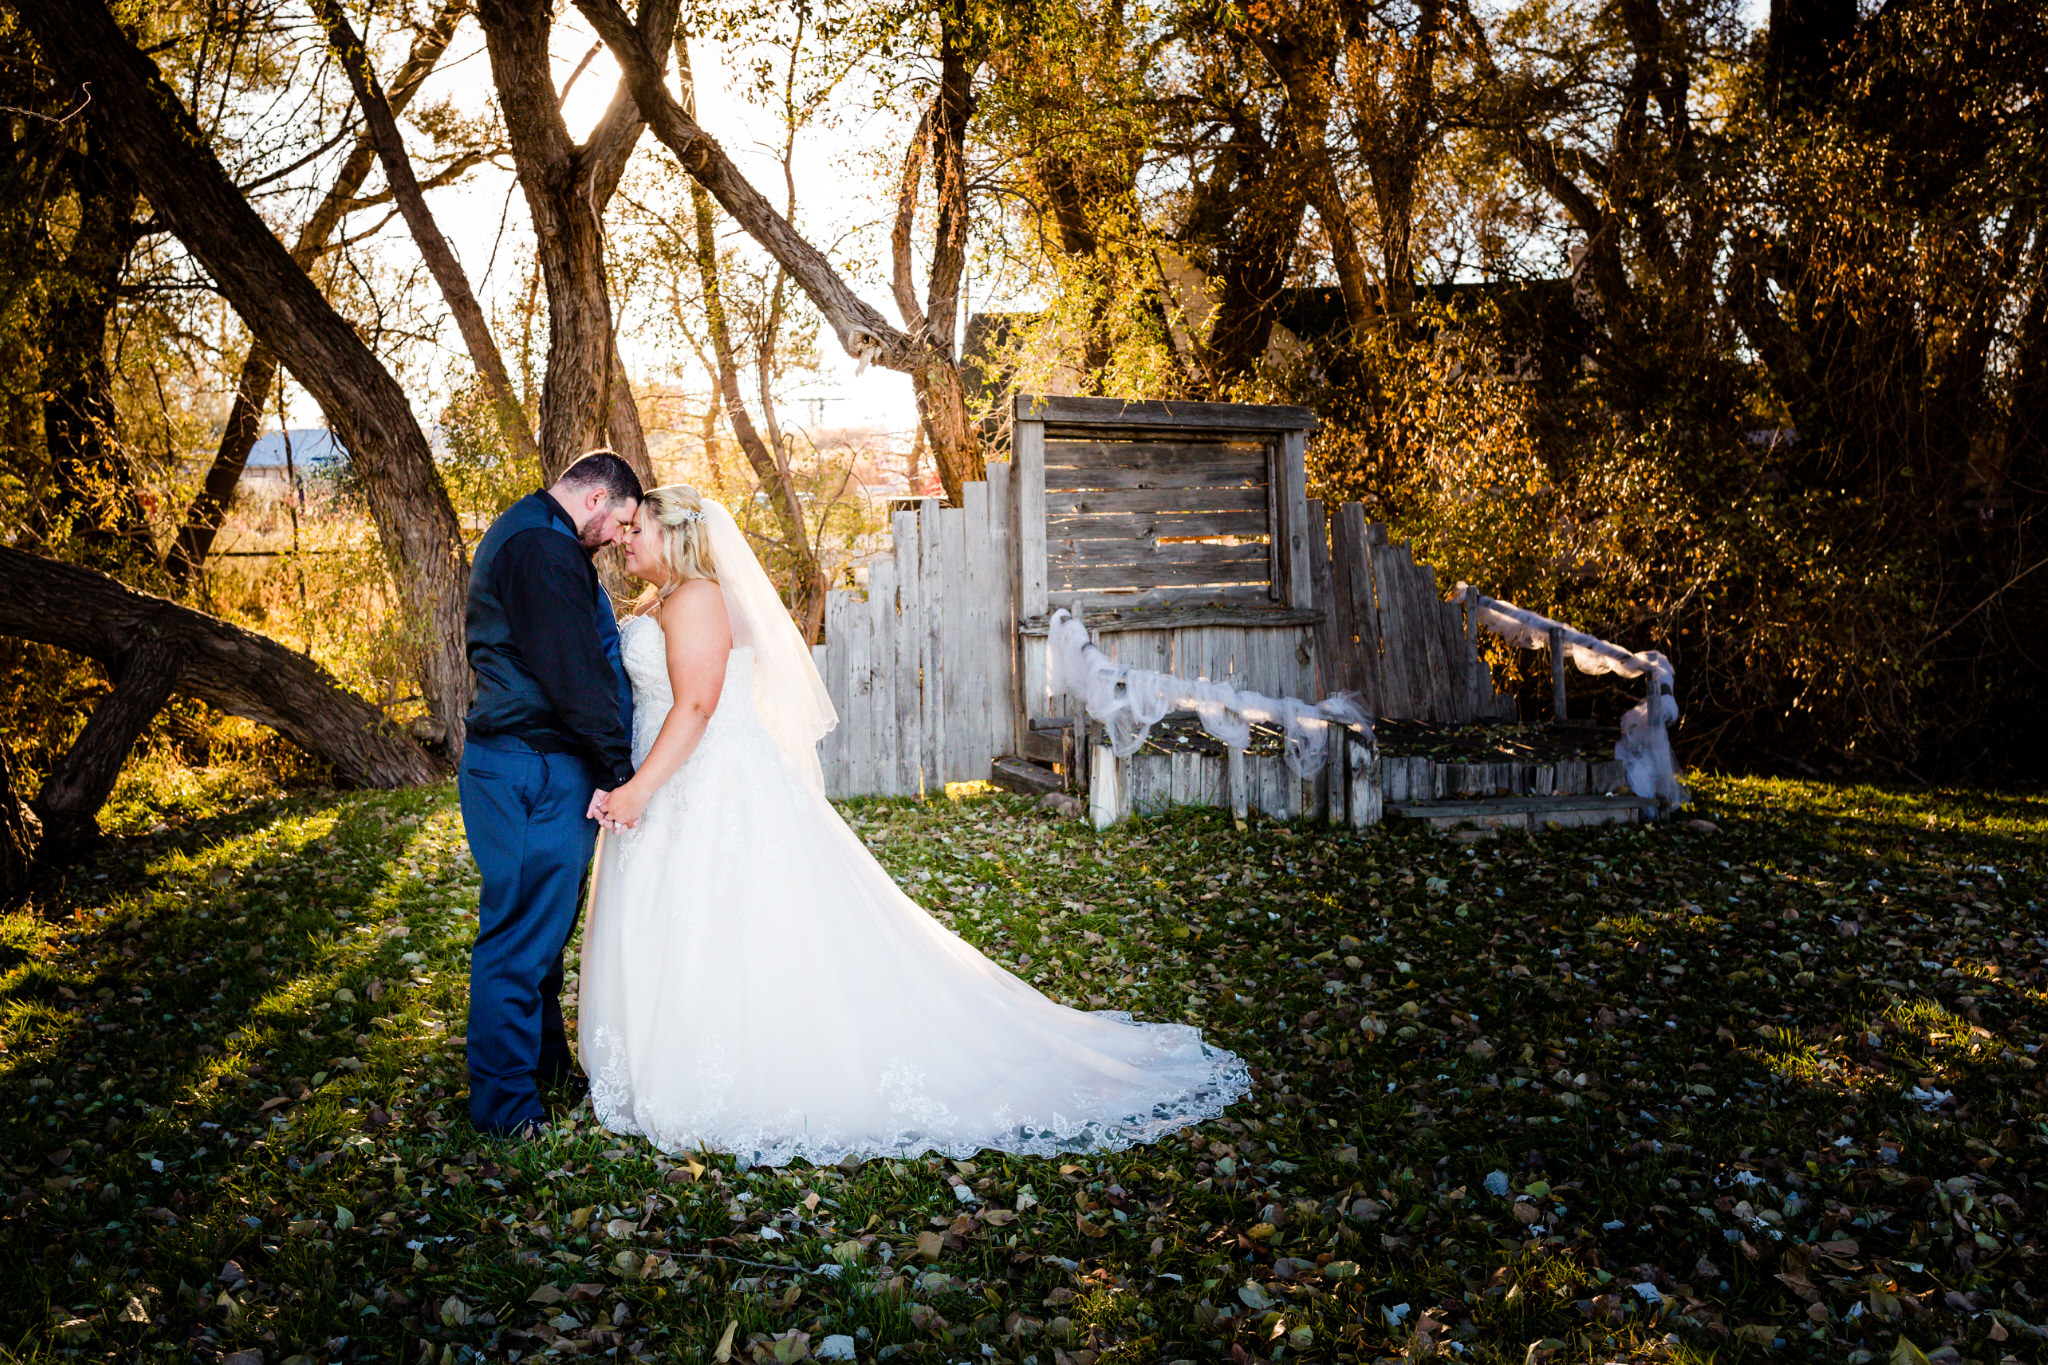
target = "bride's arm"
x: 699, y: 641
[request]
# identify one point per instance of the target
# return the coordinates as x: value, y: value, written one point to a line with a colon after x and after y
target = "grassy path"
x: 1619, y: 1094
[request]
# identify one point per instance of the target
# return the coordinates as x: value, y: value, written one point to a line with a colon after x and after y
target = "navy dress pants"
x: 523, y: 811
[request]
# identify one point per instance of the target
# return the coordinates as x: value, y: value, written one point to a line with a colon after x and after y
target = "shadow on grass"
x: 1592, y: 1089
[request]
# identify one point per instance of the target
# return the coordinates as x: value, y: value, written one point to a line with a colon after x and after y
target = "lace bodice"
x: 643, y: 648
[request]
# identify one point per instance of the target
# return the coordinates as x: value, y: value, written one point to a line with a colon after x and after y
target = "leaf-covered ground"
x: 1619, y: 1094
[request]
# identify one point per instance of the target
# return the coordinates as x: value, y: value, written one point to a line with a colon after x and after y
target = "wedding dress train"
x: 754, y: 982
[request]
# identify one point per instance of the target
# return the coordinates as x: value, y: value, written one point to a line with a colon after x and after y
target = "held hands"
x: 617, y: 809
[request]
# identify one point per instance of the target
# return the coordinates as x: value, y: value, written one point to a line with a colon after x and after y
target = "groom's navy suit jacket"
x: 552, y: 720
x: 544, y: 644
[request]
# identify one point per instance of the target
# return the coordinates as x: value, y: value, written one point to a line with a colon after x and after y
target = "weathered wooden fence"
x: 1387, y: 633
x: 1184, y: 534
x: 921, y: 669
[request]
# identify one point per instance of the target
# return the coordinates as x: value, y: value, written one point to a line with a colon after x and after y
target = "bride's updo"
x: 674, y: 515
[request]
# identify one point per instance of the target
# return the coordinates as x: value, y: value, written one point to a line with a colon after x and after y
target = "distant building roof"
x: 312, y: 449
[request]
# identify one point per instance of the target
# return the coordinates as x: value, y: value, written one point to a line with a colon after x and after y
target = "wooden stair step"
x: 1021, y: 775
x: 1526, y: 812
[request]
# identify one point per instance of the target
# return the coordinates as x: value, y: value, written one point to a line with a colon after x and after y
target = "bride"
x: 753, y: 982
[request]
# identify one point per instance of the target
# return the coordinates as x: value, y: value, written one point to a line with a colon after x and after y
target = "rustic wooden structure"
x: 1183, y: 534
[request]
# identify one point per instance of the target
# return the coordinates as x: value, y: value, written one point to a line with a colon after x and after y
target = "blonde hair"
x: 675, y: 518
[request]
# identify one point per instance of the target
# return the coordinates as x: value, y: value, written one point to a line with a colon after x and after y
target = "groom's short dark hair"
x: 604, y: 469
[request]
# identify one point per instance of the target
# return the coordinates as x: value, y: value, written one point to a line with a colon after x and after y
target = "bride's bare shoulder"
x: 695, y: 607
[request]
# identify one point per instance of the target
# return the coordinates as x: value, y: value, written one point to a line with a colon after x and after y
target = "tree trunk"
x: 229, y: 668
x: 259, y: 369
x: 567, y: 187
x: 426, y: 233
x: 21, y: 832
x: 95, y: 499
x: 165, y: 150
x: 861, y: 329
x: 79, y: 785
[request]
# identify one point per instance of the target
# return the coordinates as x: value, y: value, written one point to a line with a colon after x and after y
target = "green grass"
x: 1769, y: 1091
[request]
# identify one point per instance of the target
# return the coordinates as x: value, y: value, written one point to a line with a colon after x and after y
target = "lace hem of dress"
x: 776, y: 1144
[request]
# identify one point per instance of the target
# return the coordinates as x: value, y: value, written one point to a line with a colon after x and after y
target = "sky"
x: 841, y: 183
x: 834, y: 171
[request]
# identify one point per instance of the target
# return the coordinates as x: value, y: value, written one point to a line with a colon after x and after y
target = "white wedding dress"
x: 754, y: 982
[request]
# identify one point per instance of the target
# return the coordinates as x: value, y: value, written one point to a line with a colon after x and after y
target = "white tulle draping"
x: 1130, y: 701
x: 1645, y: 744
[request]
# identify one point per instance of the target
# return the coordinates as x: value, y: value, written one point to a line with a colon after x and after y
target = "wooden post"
x: 1289, y: 492
x: 1027, y: 470
x: 1362, y: 771
x: 1105, y: 787
x: 903, y: 653
x: 1557, y: 672
x: 1234, y: 783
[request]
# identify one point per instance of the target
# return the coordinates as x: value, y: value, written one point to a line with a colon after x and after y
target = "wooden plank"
x: 1106, y: 798
x: 838, y: 683
x: 1230, y: 469
x: 1143, y: 555
x: 1117, y: 412
x: 1404, y: 657
x: 955, y: 758
x: 1428, y: 622
x: 1175, y: 618
x: 1132, y: 599
x: 1337, y: 672
x: 834, y: 743
x: 1007, y: 715
x: 1152, y: 525
x: 932, y: 590
x: 988, y: 641
x: 967, y: 687
x: 1558, y: 708
x: 1150, y: 779
x: 1027, y: 469
x: 1457, y: 682
x: 1358, y: 614
x: 1540, y: 806
x: 1362, y: 768
x: 904, y: 652
x: 1151, y: 649
x: 881, y: 619
x: 1290, y: 498
x: 1234, y: 788
x: 1144, y: 501
x: 1205, y: 571
x: 864, y: 771
x: 1170, y: 454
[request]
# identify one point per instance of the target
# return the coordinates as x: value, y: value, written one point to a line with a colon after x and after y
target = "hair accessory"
x: 690, y: 516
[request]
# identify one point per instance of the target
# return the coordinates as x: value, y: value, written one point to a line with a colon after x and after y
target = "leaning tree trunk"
x: 166, y: 151
x: 155, y: 648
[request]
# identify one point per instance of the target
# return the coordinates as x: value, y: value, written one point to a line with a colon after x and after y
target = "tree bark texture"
x: 79, y: 785
x: 165, y: 150
x: 567, y: 188
x: 259, y: 368
x: 229, y: 668
x: 433, y: 247
x: 21, y: 832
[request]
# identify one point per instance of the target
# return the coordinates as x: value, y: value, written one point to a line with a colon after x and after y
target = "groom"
x: 552, y: 722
